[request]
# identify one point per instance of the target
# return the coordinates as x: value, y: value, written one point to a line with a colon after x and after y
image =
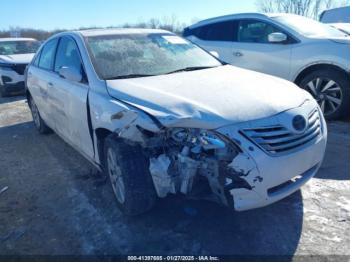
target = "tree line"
x: 309, y: 8
x: 169, y: 23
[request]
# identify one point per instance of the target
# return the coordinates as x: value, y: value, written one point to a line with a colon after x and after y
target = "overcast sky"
x: 69, y: 14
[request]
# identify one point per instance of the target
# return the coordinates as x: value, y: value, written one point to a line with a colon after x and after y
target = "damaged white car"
x: 161, y: 116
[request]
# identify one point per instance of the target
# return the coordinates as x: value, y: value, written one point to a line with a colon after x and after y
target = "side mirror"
x: 277, y: 37
x: 70, y: 74
x: 214, y: 53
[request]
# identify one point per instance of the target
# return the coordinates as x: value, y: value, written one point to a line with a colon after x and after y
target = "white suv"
x: 15, y: 55
x: 313, y: 55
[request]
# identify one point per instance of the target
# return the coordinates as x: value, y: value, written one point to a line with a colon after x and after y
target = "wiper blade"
x: 192, y: 68
x: 128, y: 76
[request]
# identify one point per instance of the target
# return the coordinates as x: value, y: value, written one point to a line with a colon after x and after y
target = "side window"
x: 221, y: 31
x: 48, y: 55
x: 37, y: 58
x: 254, y: 31
x: 68, y: 55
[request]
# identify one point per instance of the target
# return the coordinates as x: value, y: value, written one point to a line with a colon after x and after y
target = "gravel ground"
x: 57, y: 204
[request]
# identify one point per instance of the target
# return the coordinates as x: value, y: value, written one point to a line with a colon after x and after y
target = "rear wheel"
x: 331, y: 89
x: 128, y: 170
x: 38, y: 121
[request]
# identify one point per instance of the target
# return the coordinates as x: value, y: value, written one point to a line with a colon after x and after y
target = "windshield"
x: 135, y: 55
x: 18, y: 47
x: 308, y: 27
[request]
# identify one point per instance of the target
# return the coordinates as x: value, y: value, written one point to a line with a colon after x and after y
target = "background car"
x: 15, y: 55
x: 338, y: 18
x: 161, y: 116
x: 344, y: 27
x: 313, y: 55
x: 336, y: 15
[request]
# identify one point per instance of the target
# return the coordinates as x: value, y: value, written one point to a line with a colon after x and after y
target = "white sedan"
x: 161, y: 116
x: 313, y: 55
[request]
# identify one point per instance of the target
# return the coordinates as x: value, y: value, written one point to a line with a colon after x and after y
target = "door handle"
x: 238, y: 54
x: 49, y: 85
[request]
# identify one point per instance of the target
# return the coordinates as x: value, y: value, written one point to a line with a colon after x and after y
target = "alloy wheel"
x: 115, y: 175
x: 327, y: 93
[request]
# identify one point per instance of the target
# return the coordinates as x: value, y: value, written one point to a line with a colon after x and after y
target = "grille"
x: 19, y: 68
x: 278, y: 139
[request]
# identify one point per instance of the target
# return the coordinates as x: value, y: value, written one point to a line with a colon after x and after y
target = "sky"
x: 70, y: 14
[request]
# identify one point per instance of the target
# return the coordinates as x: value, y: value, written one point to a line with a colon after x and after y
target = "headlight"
x: 6, y: 67
x: 202, y: 138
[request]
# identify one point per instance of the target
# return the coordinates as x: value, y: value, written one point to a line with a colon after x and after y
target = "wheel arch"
x: 311, y: 68
x: 101, y: 135
x: 28, y: 95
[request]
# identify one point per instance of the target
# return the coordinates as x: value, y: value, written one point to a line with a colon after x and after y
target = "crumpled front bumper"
x: 274, y: 177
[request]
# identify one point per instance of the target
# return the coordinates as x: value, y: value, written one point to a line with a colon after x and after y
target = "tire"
x: 128, y: 170
x: 38, y: 121
x: 335, y: 99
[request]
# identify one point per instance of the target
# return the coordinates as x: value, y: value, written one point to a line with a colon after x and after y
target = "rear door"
x: 216, y: 37
x: 40, y: 77
x: 70, y: 98
x: 252, y: 50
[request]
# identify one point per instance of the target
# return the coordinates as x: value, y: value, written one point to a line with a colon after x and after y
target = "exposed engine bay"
x: 182, y: 158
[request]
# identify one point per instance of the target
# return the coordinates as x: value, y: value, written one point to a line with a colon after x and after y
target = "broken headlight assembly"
x: 197, y: 139
x: 191, y: 155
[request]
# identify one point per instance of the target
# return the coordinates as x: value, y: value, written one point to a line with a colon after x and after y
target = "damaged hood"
x: 16, y: 59
x: 209, y: 98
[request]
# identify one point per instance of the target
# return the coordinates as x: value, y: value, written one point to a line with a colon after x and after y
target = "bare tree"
x: 169, y: 23
x: 310, y: 8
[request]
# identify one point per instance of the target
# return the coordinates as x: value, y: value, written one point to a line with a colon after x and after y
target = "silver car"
x: 313, y: 55
x: 160, y: 116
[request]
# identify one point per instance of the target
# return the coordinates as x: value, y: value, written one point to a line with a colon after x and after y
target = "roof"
x: 120, y: 31
x: 16, y: 39
x: 228, y: 17
x: 240, y: 16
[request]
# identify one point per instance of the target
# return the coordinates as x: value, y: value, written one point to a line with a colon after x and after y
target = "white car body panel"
x: 209, y: 98
x: 275, y: 172
x: 224, y: 100
x: 344, y: 27
x: 283, y: 60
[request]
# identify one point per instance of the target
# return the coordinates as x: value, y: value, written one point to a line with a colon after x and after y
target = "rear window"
x: 339, y: 15
x: 221, y: 31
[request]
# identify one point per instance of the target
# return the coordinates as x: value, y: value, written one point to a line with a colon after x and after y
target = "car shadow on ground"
x: 335, y: 165
x: 178, y: 226
x: 81, y: 214
x: 9, y: 99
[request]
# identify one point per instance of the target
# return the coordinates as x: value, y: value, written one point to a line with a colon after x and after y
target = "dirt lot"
x: 56, y: 204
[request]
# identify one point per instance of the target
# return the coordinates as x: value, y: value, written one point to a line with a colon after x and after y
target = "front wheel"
x: 331, y: 89
x: 128, y: 170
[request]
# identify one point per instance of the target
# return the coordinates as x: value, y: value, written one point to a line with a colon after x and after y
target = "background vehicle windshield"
x: 18, y: 47
x: 309, y: 27
x: 114, y: 56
